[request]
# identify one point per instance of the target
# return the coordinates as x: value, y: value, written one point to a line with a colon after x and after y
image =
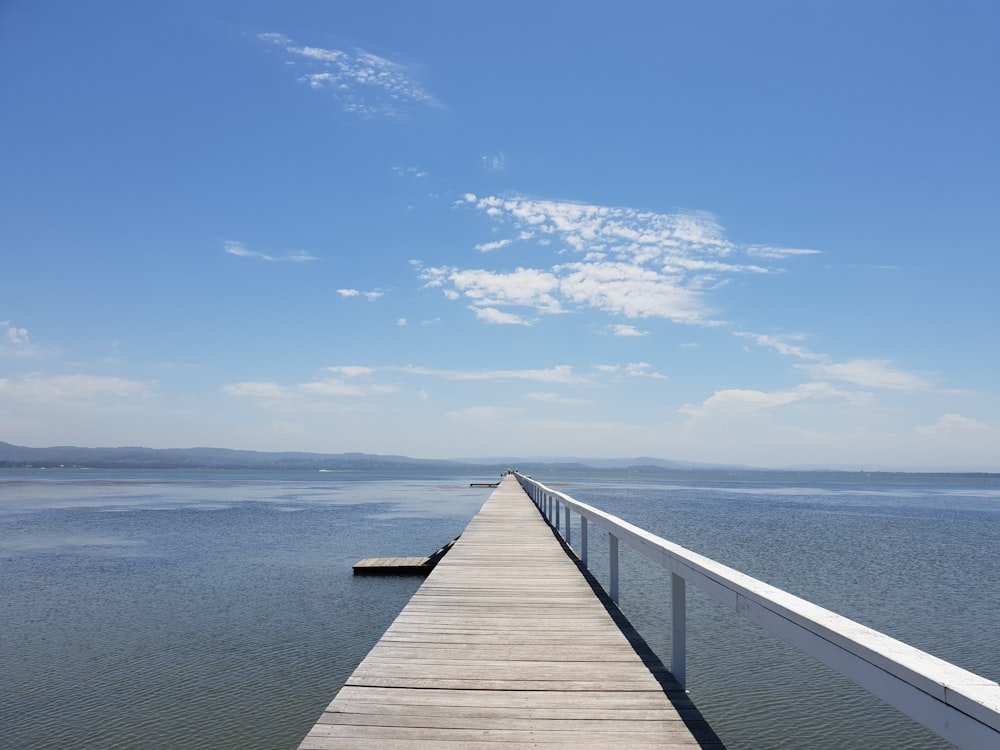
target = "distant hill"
x: 207, y: 458
x: 223, y: 458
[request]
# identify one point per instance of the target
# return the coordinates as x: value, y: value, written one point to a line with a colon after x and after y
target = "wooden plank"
x: 539, y: 700
x: 506, y: 643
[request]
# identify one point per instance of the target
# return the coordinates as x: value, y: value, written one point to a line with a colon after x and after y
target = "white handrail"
x: 956, y: 704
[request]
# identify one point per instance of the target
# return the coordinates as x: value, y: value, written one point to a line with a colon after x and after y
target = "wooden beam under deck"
x: 508, y: 643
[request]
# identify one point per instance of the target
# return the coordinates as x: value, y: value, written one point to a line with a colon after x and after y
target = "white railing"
x: 956, y: 704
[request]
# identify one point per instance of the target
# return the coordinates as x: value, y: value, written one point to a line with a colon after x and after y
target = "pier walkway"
x: 508, y: 642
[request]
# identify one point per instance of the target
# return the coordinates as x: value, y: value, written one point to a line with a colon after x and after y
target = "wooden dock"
x: 407, y: 566
x: 507, y: 642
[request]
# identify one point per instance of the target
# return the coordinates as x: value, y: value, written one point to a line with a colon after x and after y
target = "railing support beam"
x: 613, y: 562
x: 678, y: 627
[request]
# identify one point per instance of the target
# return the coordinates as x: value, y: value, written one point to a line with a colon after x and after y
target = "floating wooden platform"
x: 508, y: 643
x: 390, y: 566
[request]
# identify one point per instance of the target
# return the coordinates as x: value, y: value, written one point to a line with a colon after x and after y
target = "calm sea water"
x: 179, y: 609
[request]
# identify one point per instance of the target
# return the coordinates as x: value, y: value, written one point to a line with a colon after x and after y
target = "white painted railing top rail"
x: 958, y: 705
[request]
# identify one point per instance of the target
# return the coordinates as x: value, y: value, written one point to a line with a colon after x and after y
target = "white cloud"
x: 639, y: 264
x: 523, y: 287
x: 632, y: 369
x: 239, y: 250
x: 868, y: 373
x: 274, y: 38
x: 954, y: 425
x: 371, y: 296
x: 494, y: 316
x: 776, y: 253
x: 365, y: 84
x: 352, y: 371
x: 630, y: 290
x: 330, y: 387
x: 643, y: 370
x: 59, y: 388
x: 15, y: 342
x: 487, y: 247
x: 257, y: 389
x: 743, y: 399
x: 17, y: 336
x: 781, y: 344
x: 558, y: 374
x: 625, y: 330
x: 401, y: 321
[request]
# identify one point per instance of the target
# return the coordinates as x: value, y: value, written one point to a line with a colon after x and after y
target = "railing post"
x: 613, y: 559
x: 678, y: 623
x: 569, y: 528
x: 583, y: 540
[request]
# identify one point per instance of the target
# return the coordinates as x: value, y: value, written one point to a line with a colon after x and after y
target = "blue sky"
x: 759, y: 233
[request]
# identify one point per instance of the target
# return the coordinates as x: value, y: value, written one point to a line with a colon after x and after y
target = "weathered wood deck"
x: 387, y: 566
x: 507, y: 642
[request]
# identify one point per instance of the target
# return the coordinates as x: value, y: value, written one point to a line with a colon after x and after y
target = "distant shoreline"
x: 223, y: 459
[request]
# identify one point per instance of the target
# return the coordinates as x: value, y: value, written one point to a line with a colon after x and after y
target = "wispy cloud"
x: 61, y: 388
x: 744, y: 399
x: 557, y: 374
x: 15, y: 342
x: 951, y: 425
x: 359, y: 381
x: 555, y: 398
x: 371, y: 295
x: 364, y: 83
x: 785, y: 345
x: 415, y: 172
x: 621, y: 329
x: 241, y: 251
x: 866, y: 373
x: 494, y: 316
x: 337, y: 387
x: 351, y: 371
x: 633, y: 263
x: 329, y: 388
x: 486, y: 247
x: 494, y: 162
x: 632, y: 369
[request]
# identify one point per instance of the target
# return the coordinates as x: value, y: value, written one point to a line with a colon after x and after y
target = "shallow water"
x: 218, y: 610
x: 917, y: 561
x: 165, y: 611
